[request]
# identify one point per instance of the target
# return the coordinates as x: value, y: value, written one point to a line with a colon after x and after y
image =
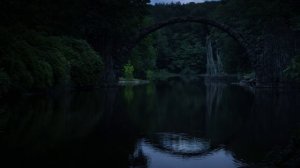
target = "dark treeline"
x: 50, y: 43
x: 260, y: 22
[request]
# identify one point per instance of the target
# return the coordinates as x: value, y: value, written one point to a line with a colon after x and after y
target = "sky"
x: 182, y: 1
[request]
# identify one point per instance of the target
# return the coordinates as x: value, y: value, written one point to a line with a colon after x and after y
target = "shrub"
x: 86, y: 65
x: 33, y: 60
x: 52, y: 50
x: 150, y: 75
x: 293, y: 70
x: 128, y: 71
x: 4, y: 82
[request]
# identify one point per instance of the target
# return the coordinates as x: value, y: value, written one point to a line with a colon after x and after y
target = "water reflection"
x: 180, y: 144
x: 214, y: 93
x: 167, y: 124
x: 218, y: 158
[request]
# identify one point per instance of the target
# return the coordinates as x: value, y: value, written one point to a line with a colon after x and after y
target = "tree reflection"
x: 214, y: 93
x: 138, y: 159
x: 128, y: 93
x: 181, y: 119
x: 249, y: 124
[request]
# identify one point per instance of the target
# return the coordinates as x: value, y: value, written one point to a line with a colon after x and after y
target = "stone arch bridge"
x: 250, y: 50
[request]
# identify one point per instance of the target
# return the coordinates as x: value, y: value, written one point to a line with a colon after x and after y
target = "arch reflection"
x: 181, y: 145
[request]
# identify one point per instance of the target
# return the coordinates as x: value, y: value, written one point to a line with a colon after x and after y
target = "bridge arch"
x: 227, y: 29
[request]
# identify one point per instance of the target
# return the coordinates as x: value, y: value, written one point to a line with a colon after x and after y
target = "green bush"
x: 86, y: 64
x: 4, y: 82
x: 150, y: 75
x: 33, y: 60
x: 128, y: 71
x: 53, y: 52
x: 12, y: 61
x: 293, y: 70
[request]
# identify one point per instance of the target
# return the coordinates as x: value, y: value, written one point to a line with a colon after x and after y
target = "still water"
x: 172, y: 124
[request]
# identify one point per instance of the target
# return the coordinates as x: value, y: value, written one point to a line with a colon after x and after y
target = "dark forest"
x: 161, y: 77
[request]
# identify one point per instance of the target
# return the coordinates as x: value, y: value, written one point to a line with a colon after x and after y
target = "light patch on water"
x: 215, y: 159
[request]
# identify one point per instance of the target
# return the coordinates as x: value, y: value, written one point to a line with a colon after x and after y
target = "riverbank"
x: 124, y: 82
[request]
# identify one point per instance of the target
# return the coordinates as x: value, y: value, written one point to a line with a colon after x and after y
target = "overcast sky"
x: 182, y: 1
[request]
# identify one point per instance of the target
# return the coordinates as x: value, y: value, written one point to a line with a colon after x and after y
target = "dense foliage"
x: 128, y: 71
x: 144, y: 55
x: 182, y: 47
x: 46, y: 43
x: 258, y: 20
x: 34, y: 60
x: 293, y: 70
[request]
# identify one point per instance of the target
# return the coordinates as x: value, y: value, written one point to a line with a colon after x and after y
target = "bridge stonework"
x: 257, y: 60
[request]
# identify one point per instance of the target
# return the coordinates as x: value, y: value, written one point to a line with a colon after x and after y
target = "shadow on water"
x: 164, y: 124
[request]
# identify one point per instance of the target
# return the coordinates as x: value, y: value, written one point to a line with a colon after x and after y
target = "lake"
x: 176, y: 124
